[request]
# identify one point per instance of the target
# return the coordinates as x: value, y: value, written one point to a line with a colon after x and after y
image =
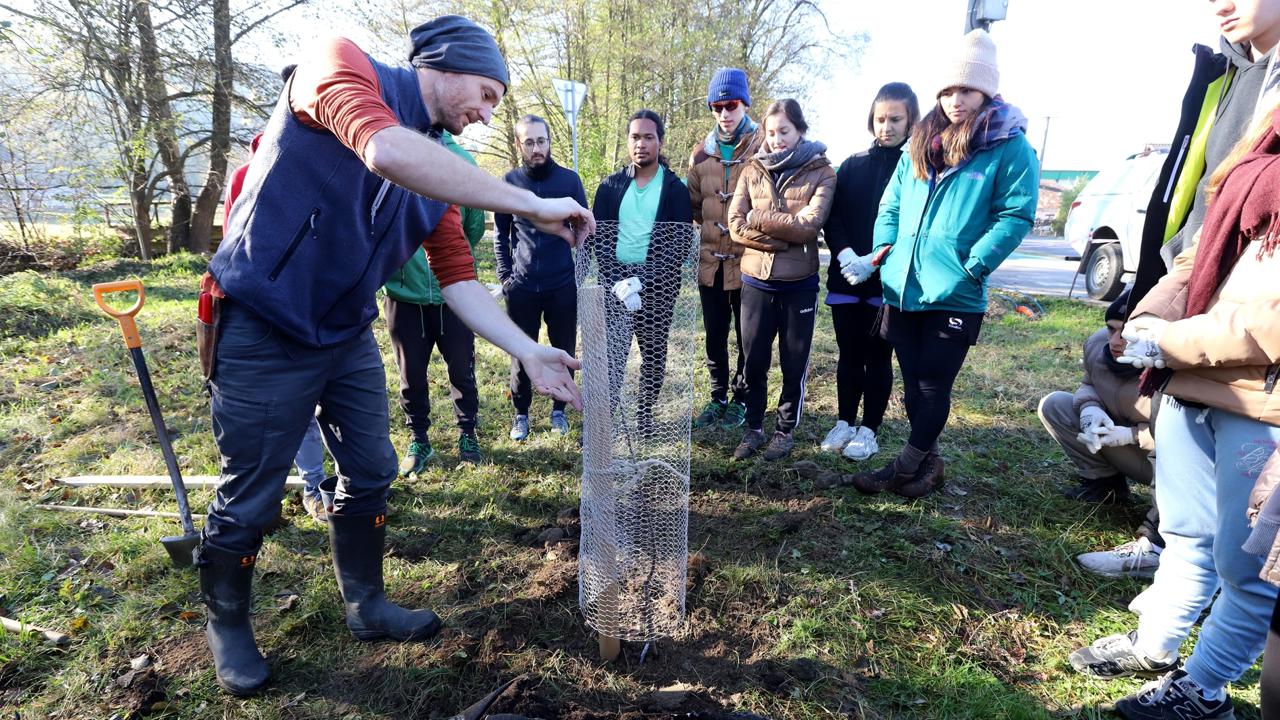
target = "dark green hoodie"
x: 415, y: 283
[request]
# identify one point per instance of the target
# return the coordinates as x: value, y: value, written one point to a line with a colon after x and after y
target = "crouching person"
x: 1105, y: 429
x: 334, y: 202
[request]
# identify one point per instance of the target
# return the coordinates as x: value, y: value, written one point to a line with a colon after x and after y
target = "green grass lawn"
x: 802, y: 603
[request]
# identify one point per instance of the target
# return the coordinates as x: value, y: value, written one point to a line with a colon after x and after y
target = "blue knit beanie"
x: 453, y: 43
x: 728, y: 84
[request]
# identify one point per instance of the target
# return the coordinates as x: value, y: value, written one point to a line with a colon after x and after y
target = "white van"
x: 1104, y: 224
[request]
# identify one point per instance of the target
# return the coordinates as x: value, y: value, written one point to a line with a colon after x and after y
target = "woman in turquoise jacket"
x: 958, y: 204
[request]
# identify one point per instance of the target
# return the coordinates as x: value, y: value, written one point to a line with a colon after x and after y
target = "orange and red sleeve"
x: 336, y: 88
x: 448, y: 252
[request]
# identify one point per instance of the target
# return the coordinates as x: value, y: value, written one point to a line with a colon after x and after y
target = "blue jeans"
x: 1206, y: 464
x: 310, y: 459
x: 265, y: 390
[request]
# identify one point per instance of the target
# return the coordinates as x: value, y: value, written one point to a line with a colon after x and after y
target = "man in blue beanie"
x: 713, y: 174
x: 348, y: 181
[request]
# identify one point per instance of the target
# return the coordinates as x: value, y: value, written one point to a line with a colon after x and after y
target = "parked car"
x: 1104, y: 225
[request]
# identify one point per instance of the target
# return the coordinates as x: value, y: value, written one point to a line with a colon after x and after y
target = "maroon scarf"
x: 1245, y: 210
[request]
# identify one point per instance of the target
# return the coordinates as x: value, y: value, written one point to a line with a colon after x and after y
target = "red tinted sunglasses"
x: 729, y: 105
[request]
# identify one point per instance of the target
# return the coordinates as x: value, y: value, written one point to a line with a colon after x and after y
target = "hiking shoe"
x: 780, y: 446
x: 927, y: 478
x: 752, y: 440
x: 469, y: 448
x: 837, y: 437
x: 711, y: 414
x: 559, y: 423
x: 1174, y: 697
x: 520, y: 428
x: 876, y: 481
x: 1136, y: 558
x: 416, y: 457
x: 314, y: 505
x: 862, y: 445
x: 1110, y: 490
x: 1114, y: 657
x: 735, y: 414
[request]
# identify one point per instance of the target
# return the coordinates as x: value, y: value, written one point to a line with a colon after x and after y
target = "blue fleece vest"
x: 314, y: 234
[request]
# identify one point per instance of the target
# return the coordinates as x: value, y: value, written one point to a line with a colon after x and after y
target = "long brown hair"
x: 956, y: 137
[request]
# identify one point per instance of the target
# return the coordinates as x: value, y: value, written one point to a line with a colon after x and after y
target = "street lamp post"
x: 984, y: 12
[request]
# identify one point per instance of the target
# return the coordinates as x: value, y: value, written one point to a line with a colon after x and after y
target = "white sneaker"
x: 862, y: 445
x: 839, y: 436
x: 1137, y: 558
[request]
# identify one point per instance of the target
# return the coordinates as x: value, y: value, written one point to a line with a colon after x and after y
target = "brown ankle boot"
x: 876, y: 481
x: 928, y: 477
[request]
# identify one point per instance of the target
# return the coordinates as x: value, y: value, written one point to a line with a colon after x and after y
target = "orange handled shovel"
x: 180, y: 547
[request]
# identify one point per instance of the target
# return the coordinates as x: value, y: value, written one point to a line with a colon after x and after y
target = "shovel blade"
x: 181, y: 549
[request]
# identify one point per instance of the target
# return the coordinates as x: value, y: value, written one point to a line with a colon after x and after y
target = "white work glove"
x: 1142, y: 336
x: 1117, y: 436
x: 1091, y: 440
x: 1092, y: 418
x: 855, y: 268
x: 495, y: 291
x: 628, y: 291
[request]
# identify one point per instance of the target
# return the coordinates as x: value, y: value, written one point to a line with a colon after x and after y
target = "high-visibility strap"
x: 1187, y: 177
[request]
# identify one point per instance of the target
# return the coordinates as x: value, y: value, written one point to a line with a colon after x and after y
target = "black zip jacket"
x: 1234, y: 113
x: 667, y: 250
x: 860, y: 182
x: 526, y: 257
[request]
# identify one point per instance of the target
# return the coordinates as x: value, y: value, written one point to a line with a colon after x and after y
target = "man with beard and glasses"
x: 536, y: 267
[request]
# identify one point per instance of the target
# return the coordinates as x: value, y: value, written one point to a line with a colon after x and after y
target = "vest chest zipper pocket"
x: 308, y: 228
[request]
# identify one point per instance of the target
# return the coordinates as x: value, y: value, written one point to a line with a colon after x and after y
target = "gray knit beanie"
x: 453, y: 43
x: 974, y: 66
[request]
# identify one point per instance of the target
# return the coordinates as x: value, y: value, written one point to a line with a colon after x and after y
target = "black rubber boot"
x: 357, y: 543
x: 226, y: 584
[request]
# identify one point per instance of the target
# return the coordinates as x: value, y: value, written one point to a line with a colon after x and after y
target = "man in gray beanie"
x: 348, y: 181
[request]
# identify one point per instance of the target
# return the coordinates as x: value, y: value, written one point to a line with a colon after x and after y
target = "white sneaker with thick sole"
x: 1137, y: 558
x: 862, y: 445
x: 839, y: 436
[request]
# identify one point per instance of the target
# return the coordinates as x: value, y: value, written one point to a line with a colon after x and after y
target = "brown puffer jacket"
x: 1229, y: 357
x: 709, y: 193
x: 781, y: 241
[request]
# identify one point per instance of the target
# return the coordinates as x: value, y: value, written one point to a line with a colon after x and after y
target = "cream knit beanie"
x: 975, y: 65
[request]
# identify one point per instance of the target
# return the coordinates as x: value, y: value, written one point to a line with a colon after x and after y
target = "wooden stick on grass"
x: 113, y: 512
x: 146, y: 481
x: 22, y: 628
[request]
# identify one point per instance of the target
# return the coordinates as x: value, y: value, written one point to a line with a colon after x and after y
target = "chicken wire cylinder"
x: 637, y: 391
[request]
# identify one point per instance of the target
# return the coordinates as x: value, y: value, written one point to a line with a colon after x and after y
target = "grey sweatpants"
x: 1063, y: 423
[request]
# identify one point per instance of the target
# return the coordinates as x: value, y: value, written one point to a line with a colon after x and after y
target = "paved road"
x: 1038, y: 266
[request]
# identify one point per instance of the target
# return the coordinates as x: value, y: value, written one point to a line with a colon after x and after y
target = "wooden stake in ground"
x: 22, y: 628
x: 610, y: 648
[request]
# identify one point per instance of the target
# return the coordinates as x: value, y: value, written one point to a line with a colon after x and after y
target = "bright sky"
x: 1110, y: 73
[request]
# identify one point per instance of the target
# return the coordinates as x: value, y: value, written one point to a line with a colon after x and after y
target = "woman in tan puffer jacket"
x: 782, y: 200
x: 1209, y: 336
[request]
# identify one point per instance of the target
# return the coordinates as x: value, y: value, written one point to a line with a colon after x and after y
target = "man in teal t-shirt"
x: 641, y: 267
x: 419, y: 320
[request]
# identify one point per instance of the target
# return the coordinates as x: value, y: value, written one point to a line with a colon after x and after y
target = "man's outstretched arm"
x: 416, y: 162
